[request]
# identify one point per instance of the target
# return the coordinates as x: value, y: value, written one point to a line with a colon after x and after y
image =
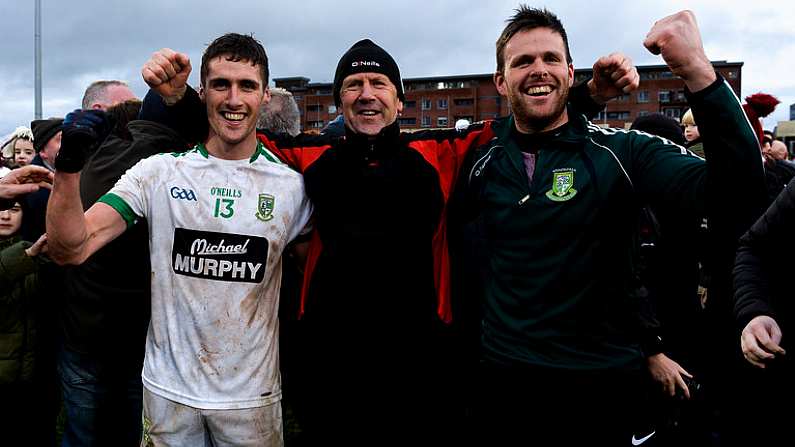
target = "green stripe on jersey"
x: 118, y: 204
x: 262, y: 150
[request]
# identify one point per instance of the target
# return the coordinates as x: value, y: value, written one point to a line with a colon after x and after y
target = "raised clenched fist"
x: 166, y: 72
x: 677, y: 39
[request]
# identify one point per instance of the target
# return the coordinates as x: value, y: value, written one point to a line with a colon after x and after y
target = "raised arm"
x: 72, y: 235
x: 731, y: 186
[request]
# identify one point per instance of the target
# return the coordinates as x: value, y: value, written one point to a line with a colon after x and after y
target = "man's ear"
x: 201, y: 93
x: 499, y: 82
x: 266, y: 97
x: 571, y: 75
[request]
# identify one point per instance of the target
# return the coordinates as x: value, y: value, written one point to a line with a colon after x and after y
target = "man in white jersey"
x: 219, y: 218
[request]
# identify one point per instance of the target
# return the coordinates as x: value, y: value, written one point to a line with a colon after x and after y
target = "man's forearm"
x: 66, y: 225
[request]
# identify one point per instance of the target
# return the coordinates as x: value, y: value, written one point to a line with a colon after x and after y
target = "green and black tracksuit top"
x: 556, y: 252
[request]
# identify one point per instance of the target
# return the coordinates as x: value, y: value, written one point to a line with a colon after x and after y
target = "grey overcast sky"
x: 86, y: 40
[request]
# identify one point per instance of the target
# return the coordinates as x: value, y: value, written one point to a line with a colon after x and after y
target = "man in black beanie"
x: 46, y: 141
x: 378, y: 360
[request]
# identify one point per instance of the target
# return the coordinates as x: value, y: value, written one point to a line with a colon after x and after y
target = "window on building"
x: 409, y: 104
x: 469, y: 118
x: 643, y: 96
x: 441, y: 121
x: 464, y: 102
x: 623, y: 115
x: 332, y: 109
x: 673, y: 113
x: 622, y: 98
x: 643, y: 113
x: 314, y: 108
x: 441, y: 104
x: 324, y: 92
x: 315, y: 124
x: 664, y: 96
x: 450, y: 84
x: 426, y: 104
x: 407, y: 121
x: 426, y: 121
x: 732, y: 74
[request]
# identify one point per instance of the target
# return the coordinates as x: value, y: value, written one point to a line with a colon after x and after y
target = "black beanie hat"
x: 366, y: 57
x: 43, y: 131
x: 661, y: 126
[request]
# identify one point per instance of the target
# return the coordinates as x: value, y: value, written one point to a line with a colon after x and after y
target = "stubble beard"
x: 536, y: 122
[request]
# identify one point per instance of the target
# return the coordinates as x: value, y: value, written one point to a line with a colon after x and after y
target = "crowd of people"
x: 191, y: 269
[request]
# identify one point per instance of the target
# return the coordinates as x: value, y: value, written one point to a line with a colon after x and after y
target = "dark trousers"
x: 103, y: 399
x: 529, y: 406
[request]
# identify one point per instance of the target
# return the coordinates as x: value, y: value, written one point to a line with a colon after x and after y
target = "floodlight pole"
x: 37, y: 44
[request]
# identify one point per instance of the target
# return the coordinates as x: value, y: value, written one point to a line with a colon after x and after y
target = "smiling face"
x: 10, y: 221
x: 23, y: 152
x: 233, y: 93
x: 369, y: 102
x: 536, y: 79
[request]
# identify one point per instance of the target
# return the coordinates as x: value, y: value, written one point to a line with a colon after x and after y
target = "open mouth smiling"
x: 540, y: 90
x: 232, y: 116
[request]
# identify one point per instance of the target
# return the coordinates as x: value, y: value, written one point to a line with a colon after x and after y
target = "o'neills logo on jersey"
x: 219, y: 256
x: 365, y: 64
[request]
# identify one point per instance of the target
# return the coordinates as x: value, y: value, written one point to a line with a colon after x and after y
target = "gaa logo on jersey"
x: 219, y: 256
x: 183, y: 194
x: 265, y: 207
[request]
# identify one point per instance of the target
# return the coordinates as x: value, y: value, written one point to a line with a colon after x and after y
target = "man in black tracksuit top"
x: 555, y: 201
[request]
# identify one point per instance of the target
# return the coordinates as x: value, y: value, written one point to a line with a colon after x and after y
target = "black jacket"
x: 763, y: 267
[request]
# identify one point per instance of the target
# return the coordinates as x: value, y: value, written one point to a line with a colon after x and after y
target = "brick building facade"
x: 442, y: 100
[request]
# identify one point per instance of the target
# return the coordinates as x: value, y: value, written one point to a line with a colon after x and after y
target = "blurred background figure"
x: 280, y: 115
x: 758, y: 106
x: 692, y: 137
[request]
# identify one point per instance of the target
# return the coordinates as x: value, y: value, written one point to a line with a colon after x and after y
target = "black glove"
x: 83, y: 131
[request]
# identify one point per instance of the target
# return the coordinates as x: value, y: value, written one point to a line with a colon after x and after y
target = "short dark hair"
x: 526, y: 19
x: 236, y: 47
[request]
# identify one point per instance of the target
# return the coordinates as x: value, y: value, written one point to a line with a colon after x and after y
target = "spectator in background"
x: 47, y: 143
x: 778, y: 172
x: 18, y: 150
x: 758, y: 106
x: 691, y: 134
x: 23, y: 380
x: 105, y: 94
x: 335, y: 128
x: 280, y: 115
x: 764, y: 308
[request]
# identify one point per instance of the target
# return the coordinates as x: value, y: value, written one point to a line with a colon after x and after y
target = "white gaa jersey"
x: 217, y: 231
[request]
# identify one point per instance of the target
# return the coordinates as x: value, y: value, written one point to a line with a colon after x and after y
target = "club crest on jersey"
x: 562, y: 185
x: 265, y: 207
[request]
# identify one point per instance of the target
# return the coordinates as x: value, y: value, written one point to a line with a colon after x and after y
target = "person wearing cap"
x: 46, y: 143
x: 376, y: 298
